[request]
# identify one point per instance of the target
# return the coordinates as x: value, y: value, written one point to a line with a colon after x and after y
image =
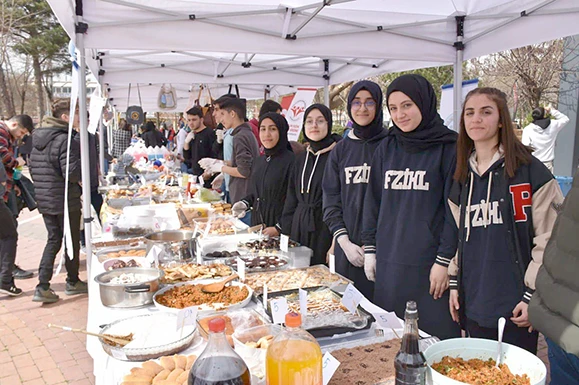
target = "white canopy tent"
x: 324, y: 41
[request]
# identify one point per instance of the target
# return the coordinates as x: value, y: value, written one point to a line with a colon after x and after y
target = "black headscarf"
x: 377, y: 125
x: 539, y: 118
x: 328, y: 139
x: 431, y: 131
x: 282, y: 127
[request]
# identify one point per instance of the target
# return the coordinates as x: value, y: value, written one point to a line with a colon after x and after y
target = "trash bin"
x: 565, y: 182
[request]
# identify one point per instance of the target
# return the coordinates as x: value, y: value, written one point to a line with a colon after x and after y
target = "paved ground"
x: 33, y: 354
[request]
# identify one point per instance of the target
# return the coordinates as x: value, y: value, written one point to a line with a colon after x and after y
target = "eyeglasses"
x: 370, y: 104
x: 318, y: 122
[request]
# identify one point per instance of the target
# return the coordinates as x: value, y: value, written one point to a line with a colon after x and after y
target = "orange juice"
x: 294, y: 362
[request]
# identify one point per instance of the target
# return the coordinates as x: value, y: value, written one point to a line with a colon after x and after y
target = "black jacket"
x: 200, y: 147
x: 48, y: 167
x: 154, y: 138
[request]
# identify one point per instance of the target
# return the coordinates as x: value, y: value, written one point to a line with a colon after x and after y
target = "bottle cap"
x: 217, y: 325
x: 293, y: 320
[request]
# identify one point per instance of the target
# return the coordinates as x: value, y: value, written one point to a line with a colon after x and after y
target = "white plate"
x: 205, y: 308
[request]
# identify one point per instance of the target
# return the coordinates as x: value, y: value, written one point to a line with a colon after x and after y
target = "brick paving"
x: 33, y: 354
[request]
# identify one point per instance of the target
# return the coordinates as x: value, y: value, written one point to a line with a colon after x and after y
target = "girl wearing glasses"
x: 346, y: 178
x: 302, y: 214
x: 269, y: 176
x: 408, y: 232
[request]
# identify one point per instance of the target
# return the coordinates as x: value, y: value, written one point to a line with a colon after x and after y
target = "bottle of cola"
x: 410, y: 364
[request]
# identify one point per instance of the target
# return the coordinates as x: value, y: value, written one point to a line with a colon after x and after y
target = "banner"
x: 447, y: 100
x: 295, y: 113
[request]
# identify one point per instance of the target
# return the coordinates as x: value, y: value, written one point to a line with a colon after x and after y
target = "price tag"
x: 119, y: 354
x: 387, y: 320
x: 186, y: 316
x: 153, y: 255
x: 241, y: 269
x: 303, y: 303
x: 352, y: 298
x: 329, y: 367
x: 265, y: 295
x: 332, y: 264
x: 278, y: 310
x: 284, y: 243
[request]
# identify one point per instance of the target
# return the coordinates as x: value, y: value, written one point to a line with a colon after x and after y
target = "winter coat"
x: 153, y: 137
x: 553, y: 308
x: 48, y: 167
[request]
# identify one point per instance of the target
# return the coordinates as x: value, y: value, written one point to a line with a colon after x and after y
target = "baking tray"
x: 232, y: 262
x: 326, y: 331
x: 102, y: 253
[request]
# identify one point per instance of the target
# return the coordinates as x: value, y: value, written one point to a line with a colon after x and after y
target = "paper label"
x: 186, y: 316
x: 153, y: 255
x: 303, y: 303
x: 284, y: 243
x: 329, y: 366
x: 278, y: 310
x: 352, y: 298
x: 332, y: 263
x: 265, y: 295
x: 387, y: 320
x: 241, y: 269
x: 119, y: 354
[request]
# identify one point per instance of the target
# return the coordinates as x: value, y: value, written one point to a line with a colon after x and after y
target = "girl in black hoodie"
x: 302, y: 216
x: 408, y: 233
x: 269, y: 176
x: 346, y: 178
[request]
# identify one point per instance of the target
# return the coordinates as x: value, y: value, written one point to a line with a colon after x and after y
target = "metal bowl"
x: 175, y: 245
x: 129, y: 295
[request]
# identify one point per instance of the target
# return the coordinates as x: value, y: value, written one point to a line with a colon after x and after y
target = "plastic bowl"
x: 519, y: 360
x: 254, y: 357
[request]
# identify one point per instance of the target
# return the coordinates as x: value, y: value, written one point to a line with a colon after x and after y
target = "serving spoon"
x: 216, y: 287
x: 502, y: 322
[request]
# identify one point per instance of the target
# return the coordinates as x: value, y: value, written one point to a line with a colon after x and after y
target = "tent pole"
x: 457, y: 87
x: 102, y: 145
x: 327, y: 82
x: 84, y: 149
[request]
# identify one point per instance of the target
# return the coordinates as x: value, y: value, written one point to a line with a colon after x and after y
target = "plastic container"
x: 518, y: 360
x: 294, y: 357
x: 219, y: 364
x: 245, y: 341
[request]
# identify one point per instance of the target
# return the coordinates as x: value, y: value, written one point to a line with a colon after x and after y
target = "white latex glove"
x: 190, y: 136
x: 215, y: 167
x: 205, y: 163
x: 354, y: 253
x: 219, y: 134
x: 239, y: 209
x: 217, y: 182
x: 370, y: 266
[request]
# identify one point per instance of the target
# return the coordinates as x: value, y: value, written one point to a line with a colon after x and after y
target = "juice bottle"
x: 219, y: 364
x: 294, y: 357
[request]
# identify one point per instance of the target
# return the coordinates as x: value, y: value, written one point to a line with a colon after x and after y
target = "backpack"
x: 135, y: 114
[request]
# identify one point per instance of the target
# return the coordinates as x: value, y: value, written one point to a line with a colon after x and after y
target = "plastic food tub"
x: 519, y: 360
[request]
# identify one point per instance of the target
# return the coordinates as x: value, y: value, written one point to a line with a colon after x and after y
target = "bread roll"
x: 143, y: 373
x: 183, y: 377
x: 168, y: 363
x: 136, y: 378
x: 174, y: 374
x: 180, y: 361
x: 190, y: 361
x: 152, y: 367
x: 161, y: 376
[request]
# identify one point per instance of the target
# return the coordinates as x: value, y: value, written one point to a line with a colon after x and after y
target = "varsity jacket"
x: 503, y: 227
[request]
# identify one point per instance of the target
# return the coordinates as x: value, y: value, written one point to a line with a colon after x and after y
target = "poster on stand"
x: 295, y: 112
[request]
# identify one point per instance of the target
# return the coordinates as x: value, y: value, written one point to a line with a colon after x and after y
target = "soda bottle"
x: 410, y: 364
x: 294, y: 356
x: 219, y: 364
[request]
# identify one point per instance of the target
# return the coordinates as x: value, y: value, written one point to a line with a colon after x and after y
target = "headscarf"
x: 539, y: 118
x: 282, y: 127
x: 431, y: 131
x: 377, y: 125
x: 328, y: 139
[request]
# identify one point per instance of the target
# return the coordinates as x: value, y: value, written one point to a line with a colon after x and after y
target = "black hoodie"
x: 345, y: 182
x: 48, y: 167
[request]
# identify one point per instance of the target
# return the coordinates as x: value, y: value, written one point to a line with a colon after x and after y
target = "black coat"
x: 199, y: 148
x: 48, y: 167
x: 154, y: 138
x: 302, y: 215
x: 269, y: 181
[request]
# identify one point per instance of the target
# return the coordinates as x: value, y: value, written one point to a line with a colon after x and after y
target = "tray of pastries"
x: 192, y: 271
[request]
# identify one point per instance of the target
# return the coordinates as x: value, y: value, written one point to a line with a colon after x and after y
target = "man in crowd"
x: 48, y: 170
x: 10, y: 131
x: 553, y: 307
x: 198, y: 143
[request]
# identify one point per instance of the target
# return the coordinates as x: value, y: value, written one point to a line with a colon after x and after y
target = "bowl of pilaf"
x: 235, y: 295
x: 460, y: 361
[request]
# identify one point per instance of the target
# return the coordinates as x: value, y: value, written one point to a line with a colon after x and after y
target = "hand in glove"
x: 353, y: 252
x: 190, y: 136
x: 239, y: 208
x: 219, y: 135
x: 205, y: 163
x: 217, y: 182
x: 216, y: 167
x: 370, y: 266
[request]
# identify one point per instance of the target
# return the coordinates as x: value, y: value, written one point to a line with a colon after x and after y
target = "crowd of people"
x: 462, y: 223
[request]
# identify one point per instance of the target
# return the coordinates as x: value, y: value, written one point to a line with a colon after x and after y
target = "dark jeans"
x: 513, y: 335
x: 8, y: 242
x: 564, y: 366
x: 55, y: 227
x: 96, y: 200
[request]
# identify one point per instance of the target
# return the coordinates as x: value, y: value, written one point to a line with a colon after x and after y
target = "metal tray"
x: 326, y: 331
x: 102, y: 253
